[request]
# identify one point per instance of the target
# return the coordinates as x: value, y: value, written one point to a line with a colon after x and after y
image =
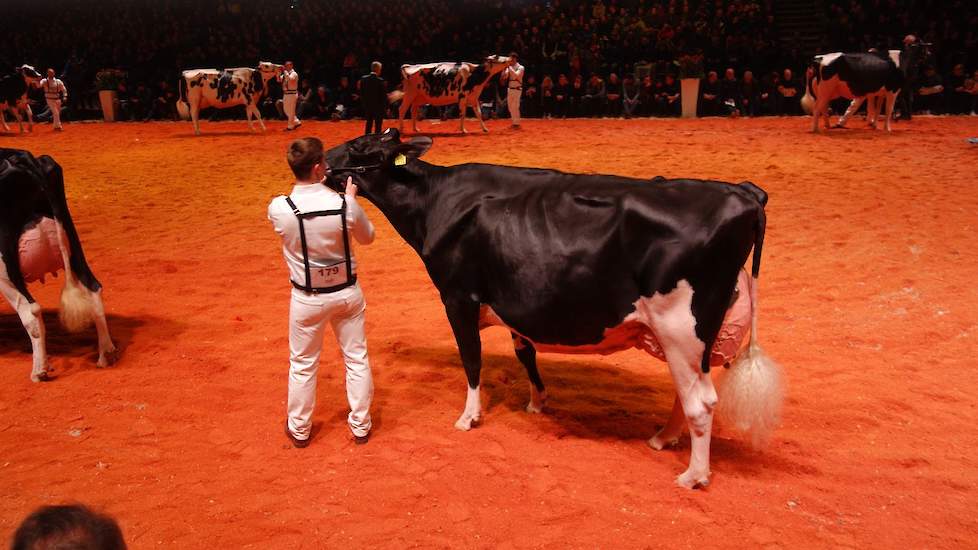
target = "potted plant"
x: 107, y: 83
x: 690, y: 68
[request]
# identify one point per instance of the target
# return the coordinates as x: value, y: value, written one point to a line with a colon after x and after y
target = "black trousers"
x: 374, y: 119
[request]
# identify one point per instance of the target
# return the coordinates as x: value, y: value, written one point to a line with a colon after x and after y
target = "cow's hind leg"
x: 527, y: 355
x: 30, y: 118
x: 853, y: 107
x: 464, y: 319
x: 30, y: 316
x: 462, y: 112
x: 668, y: 436
x: 195, y: 118
x: 3, y: 119
x: 674, y: 326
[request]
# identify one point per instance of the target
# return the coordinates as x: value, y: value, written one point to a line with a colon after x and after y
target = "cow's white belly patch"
x: 666, y: 313
x: 39, y: 251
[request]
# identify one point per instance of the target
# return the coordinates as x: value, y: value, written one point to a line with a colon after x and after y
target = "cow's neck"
x: 402, y: 200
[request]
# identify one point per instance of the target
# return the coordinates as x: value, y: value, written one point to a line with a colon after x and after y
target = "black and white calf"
x: 13, y: 95
x: 583, y: 263
x: 37, y: 237
x: 202, y: 88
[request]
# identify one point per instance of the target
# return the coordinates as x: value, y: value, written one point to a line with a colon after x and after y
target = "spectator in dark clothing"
x: 530, y: 102
x: 346, y: 97
x: 930, y: 92
x: 613, y: 96
x: 668, y: 100
x: 709, y: 104
x: 547, y: 97
x: 321, y: 106
x: 959, y: 99
x: 577, y: 97
x: 562, y: 97
x: 629, y: 96
x: 164, y: 105
x: 594, y: 98
x: 373, y: 98
x: 647, y: 97
x: 139, y: 102
x: 730, y: 94
x: 790, y: 93
x: 770, y: 96
x: 750, y: 95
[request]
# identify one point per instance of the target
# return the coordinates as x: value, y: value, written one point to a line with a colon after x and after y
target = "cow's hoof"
x: 661, y: 443
x: 485, y: 130
x: 689, y: 480
x: 464, y: 131
x: 466, y: 423
x: 108, y: 358
x: 43, y: 376
x: 534, y: 408
x: 537, y: 402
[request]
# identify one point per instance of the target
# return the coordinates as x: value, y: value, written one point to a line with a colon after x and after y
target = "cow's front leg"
x: 462, y: 112
x: 30, y: 316
x: 478, y: 115
x: 527, y: 355
x: 872, y: 110
x: 30, y: 118
x: 669, y: 435
x: 890, y: 105
x: 463, y: 315
x: 3, y: 118
x: 195, y: 118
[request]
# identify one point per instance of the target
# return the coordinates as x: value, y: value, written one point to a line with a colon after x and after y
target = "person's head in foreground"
x: 305, y: 156
x: 68, y: 527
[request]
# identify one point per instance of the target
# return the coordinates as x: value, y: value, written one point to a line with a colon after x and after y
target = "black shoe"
x: 297, y: 443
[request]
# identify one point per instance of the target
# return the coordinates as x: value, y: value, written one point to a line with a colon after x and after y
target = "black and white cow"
x: 202, y: 88
x: 578, y: 263
x: 875, y: 76
x: 37, y: 237
x: 445, y: 84
x: 13, y: 95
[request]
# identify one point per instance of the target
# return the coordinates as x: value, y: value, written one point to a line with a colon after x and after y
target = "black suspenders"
x: 351, y: 279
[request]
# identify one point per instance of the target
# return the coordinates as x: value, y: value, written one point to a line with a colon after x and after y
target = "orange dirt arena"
x: 868, y: 300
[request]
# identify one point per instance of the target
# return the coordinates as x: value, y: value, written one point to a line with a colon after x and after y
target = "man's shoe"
x: 297, y: 443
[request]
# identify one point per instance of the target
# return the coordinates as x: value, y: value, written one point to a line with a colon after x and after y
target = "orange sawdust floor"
x: 867, y: 298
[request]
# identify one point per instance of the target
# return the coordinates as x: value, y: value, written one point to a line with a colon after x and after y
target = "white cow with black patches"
x: 202, y: 88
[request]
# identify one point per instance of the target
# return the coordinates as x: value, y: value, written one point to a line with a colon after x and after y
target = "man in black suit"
x: 373, y: 97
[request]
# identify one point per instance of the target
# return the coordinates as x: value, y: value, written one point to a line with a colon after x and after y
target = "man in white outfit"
x: 290, y: 94
x: 513, y: 76
x: 56, y: 94
x: 316, y: 225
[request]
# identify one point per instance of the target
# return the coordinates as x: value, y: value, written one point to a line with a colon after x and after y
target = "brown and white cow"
x: 13, y: 95
x: 201, y: 88
x: 446, y: 83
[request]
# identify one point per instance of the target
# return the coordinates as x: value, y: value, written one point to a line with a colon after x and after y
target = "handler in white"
x: 513, y: 75
x: 55, y: 93
x: 316, y: 224
x: 290, y: 94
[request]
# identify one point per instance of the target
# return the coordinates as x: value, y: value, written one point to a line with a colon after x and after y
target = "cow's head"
x: 495, y: 63
x: 269, y: 70
x: 30, y: 74
x: 372, y: 160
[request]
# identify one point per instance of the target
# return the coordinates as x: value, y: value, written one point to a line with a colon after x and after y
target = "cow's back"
x: 863, y: 73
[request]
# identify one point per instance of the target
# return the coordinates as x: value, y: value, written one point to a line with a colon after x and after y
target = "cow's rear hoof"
x: 108, y: 358
x: 466, y: 423
x: 663, y: 443
x: 485, y: 130
x: 691, y: 481
x: 45, y: 376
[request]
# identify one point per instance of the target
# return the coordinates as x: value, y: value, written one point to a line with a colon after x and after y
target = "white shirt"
x: 289, y: 80
x: 53, y: 88
x: 324, y: 234
x: 514, y: 73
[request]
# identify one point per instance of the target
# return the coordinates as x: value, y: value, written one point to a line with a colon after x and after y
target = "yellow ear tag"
x: 400, y: 160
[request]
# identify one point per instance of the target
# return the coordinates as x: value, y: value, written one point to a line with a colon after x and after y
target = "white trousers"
x: 513, y: 100
x: 308, y: 315
x: 288, y: 104
x: 55, y: 106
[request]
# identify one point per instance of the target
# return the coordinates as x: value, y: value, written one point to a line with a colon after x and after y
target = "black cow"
x: 580, y: 264
x: 38, y: 237
x: 13, y: 95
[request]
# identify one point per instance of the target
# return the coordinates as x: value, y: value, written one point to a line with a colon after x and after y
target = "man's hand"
x: 351, y: 188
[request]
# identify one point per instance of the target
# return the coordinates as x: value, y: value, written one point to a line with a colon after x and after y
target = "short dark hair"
x: 303, y: 154
x: 68, y: 526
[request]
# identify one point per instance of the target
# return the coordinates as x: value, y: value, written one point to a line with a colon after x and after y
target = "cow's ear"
x: 412, y: 149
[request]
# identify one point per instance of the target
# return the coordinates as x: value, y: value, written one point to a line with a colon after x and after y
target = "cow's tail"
x: 77, y: 306
x: 751, y: 391
x: 395, y: 96
x: 183, y: 90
